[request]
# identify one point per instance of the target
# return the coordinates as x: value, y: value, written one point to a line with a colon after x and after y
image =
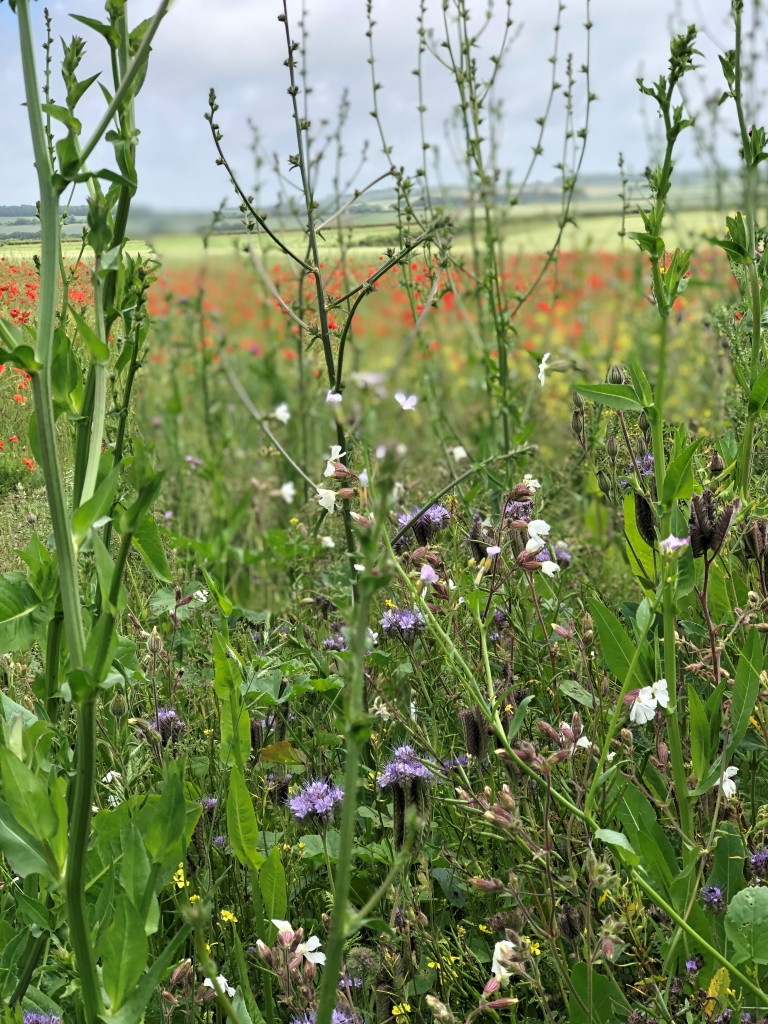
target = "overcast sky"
x: 238, y: 47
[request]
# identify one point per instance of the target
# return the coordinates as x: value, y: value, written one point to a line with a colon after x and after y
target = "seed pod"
x: 724, y: 523
x: 615, y: 375
x: 645, y: 520
x: 577, y: 422
x: 612, y: 448
x: 587, y: 626
x: 604, y: 482
x: 754, y: 538
x: 578, y: 400
x: 570, y: 922
x: 471, y: 732
x: 643, y: 422
x: 701, y: 522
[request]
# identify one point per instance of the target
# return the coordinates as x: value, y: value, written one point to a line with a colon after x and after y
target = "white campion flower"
x: 363, y: 478
x: 201, y: 595
x: 502, y: 956
x: 111, y: 777
x: 543, y: 368
x: 550, y: 568
x: 584, y: 742
x: 333, y: 397
x: 380, y: 709
x: 282, y: 412
x: 644, y: 706
x: 327, y: 542
x: 728, y: 787
x: 531, y: 482
x: 459, y: 453
x: 406, y: 402
x: 336, y: 454
x: 326, y: 498
x: 661, y: 693
x: 309, y: 949
x: 428, y: 574
x: 223, y: 985
x: 288, y: 492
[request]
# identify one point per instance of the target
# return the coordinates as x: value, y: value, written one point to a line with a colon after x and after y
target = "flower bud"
x: 310, y: 970
x: 577, y: 422
x: 440, y: 1011
x: 264, y: 952
x: 578, y: 400
x: 154, y: 642
x: 345, y: 492
x: 643, y: 422
x: 626, y: 738
x: 502, y: 1004
x: 168, y: 997
x: 612, y: 448
x: 716, y: 464
x: 642, y: 447
x: 118, y: 706
x: 586, y: 627
x: 605, y: 685
x: 182, y: 974
x: 604, y: 482
x: 491, y: 986
x: 662, y: 753
x: 608, y: 949
x: 615, y: 375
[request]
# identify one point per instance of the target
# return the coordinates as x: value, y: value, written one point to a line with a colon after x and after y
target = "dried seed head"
x: 645, y: 520
x: 724, y: 523
x: 754, y: 539
x: 701, y: 522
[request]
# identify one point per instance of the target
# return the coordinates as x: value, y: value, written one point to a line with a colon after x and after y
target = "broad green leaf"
x: 728, y: 862
x: 226, y: 675
x: 167, y: 827
x: 608, y: 1002
x: 132, y: 1010
x: 22, y: 850
x: 242, y: 970
x: 618, y: 649
x: 123, y: 951
x: 134, y: 866
x: 147, y: 542
x: 242, y: 828
x: 745, y: 689
x: 27, y: 797
x: 614, y: 396
x: 272, y: 884
x: 33, y: 911
x: 746, y: 925
x: 640, y: 382
x: 225, y: 605
x: 235, y: 728
x: 22, y: 612
x: 677, y: 472
x: 758, y: 394
x: 620, y: 842
x: 97, y: 505
x: 96, y: 346
x: 699, y: 735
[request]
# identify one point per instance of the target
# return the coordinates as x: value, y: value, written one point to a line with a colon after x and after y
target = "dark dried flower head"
x: 716, y: 464
x: 645, y: 520
x: 723, y: 525
x: 701, y: 523
x: 754, y: 538
x: 570, y: 921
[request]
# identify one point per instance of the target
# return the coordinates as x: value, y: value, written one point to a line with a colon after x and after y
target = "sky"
x: 238, y: 47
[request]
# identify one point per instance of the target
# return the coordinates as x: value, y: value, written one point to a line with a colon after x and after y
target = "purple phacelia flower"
x: 434, y: 519
x: 563, y: 556
x: 759, y: 863
x: 335, y: 643
x: 403, y: 767
x: 692, y: 966
x: 219, y: 842
x: 209, y: 805
x: 168, y: 724
x: 341, y: 1015
x: 316, y: 799
x: 402, y: 622
x: 37, y: 1017
x: 457, y: 761
x: 543, y: 555
x: 521, y: 511
x: 713, y: 898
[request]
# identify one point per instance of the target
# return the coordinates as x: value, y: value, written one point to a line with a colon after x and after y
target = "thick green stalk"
x: 52, y: 662
x: 262, y: 930
x: 354, y: 741
x: 46, y: 322
x: 79, y: 834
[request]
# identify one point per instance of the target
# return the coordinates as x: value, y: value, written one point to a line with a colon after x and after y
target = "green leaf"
x: 33, y: 911
x: 27, y: 797
x: 745, y: 689
x: 758, y: 394
x: 226, y: 677
x: 147, y: 542
x: 618, y: 649
x: 677, y: 471
x: 519, y: 716
x: 23, y: 851
x: 123, y: 951
x: 235, y: 730
x: 272, y: 884
x: 98, y: 505
x: 96, y: 346
x: 728, y: 862
x: 22, y: 612
x: 640, y: 382
x: 242, y: 828
x: 133, y: 1008
x: 614, y: 396
x: 737, y: 253
x: 134, y: 867
x: 608, y: 1002
x: 620, y: 842
x: 746, y: 925
x: 699, y: 735
x: 166, y: 830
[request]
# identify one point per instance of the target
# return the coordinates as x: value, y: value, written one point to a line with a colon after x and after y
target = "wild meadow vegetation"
x: 382, y: 631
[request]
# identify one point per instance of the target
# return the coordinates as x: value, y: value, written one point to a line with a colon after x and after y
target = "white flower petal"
x: 282, y: 412
x: 550, y: 568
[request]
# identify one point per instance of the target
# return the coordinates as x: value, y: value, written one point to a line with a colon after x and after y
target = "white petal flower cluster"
x: 647, y: 700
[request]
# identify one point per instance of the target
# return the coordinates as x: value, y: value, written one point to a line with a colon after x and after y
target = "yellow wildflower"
x: 194, y: 898
x: 536, y: 949
x: 228, y: 917
x: 401, y: 1010
x: 179, y: 878
x: 485, y: 929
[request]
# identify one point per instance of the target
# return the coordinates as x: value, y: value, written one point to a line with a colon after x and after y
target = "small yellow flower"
x: 602, y: 899
x: 194, y: 898
x: 434, y: 964
x: 286, y: 847
x: 179, y: 878
x: 389, y: 604
x: 228, y: 917
x: 485, y: 929
x: 401, y: 1010
x: 207, y: 732
x: 294, y: 521
x: 301, y: 846
x: 536, y: 949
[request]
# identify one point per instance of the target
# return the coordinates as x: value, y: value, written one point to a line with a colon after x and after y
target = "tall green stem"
x: 99, y: 394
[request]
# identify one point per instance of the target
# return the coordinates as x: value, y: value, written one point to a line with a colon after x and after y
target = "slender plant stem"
x: 99, y: 395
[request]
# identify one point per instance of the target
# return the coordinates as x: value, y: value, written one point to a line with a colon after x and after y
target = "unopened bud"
x: 626, y: 738
x: 440, y: 1010
x: 326, y: 918
x: 168, y: 997
x: 488, y: 884
x: 310, y: 970
x: 608, y: 948
x: 491, y: 986
x: 345, y: 492
x: 502, y: 1004
x: 615, y: 375
x: 662, y: 753
x: 154, y: 642
x: 604, y: 482
x: 643, y: 422
x: 118, y: 706
x: 716, y: 464
x: 612, y: 448
x: 577, y: 422
x: 182, y: 974
x: 31, y: 518
x: 264, y: 952
x: 642, y: 447
x: 578, y: 400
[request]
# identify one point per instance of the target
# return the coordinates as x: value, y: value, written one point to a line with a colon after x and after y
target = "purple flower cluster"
x: 316, y: 799
x: 434, y: 519
x: 457, y: 761
x: 168, y: 724
x: 759, y: 863
x: 522, y: 511
x: 219, y: 842
x: 341, y: 1015
x: 335, y: 643
x: 713, y: 898
x: 209, y: 805
x: 36, y: 1017
x: 402, y: 622
x: 404, y: 767
x: 500, y: 623
x: 563, y: 557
